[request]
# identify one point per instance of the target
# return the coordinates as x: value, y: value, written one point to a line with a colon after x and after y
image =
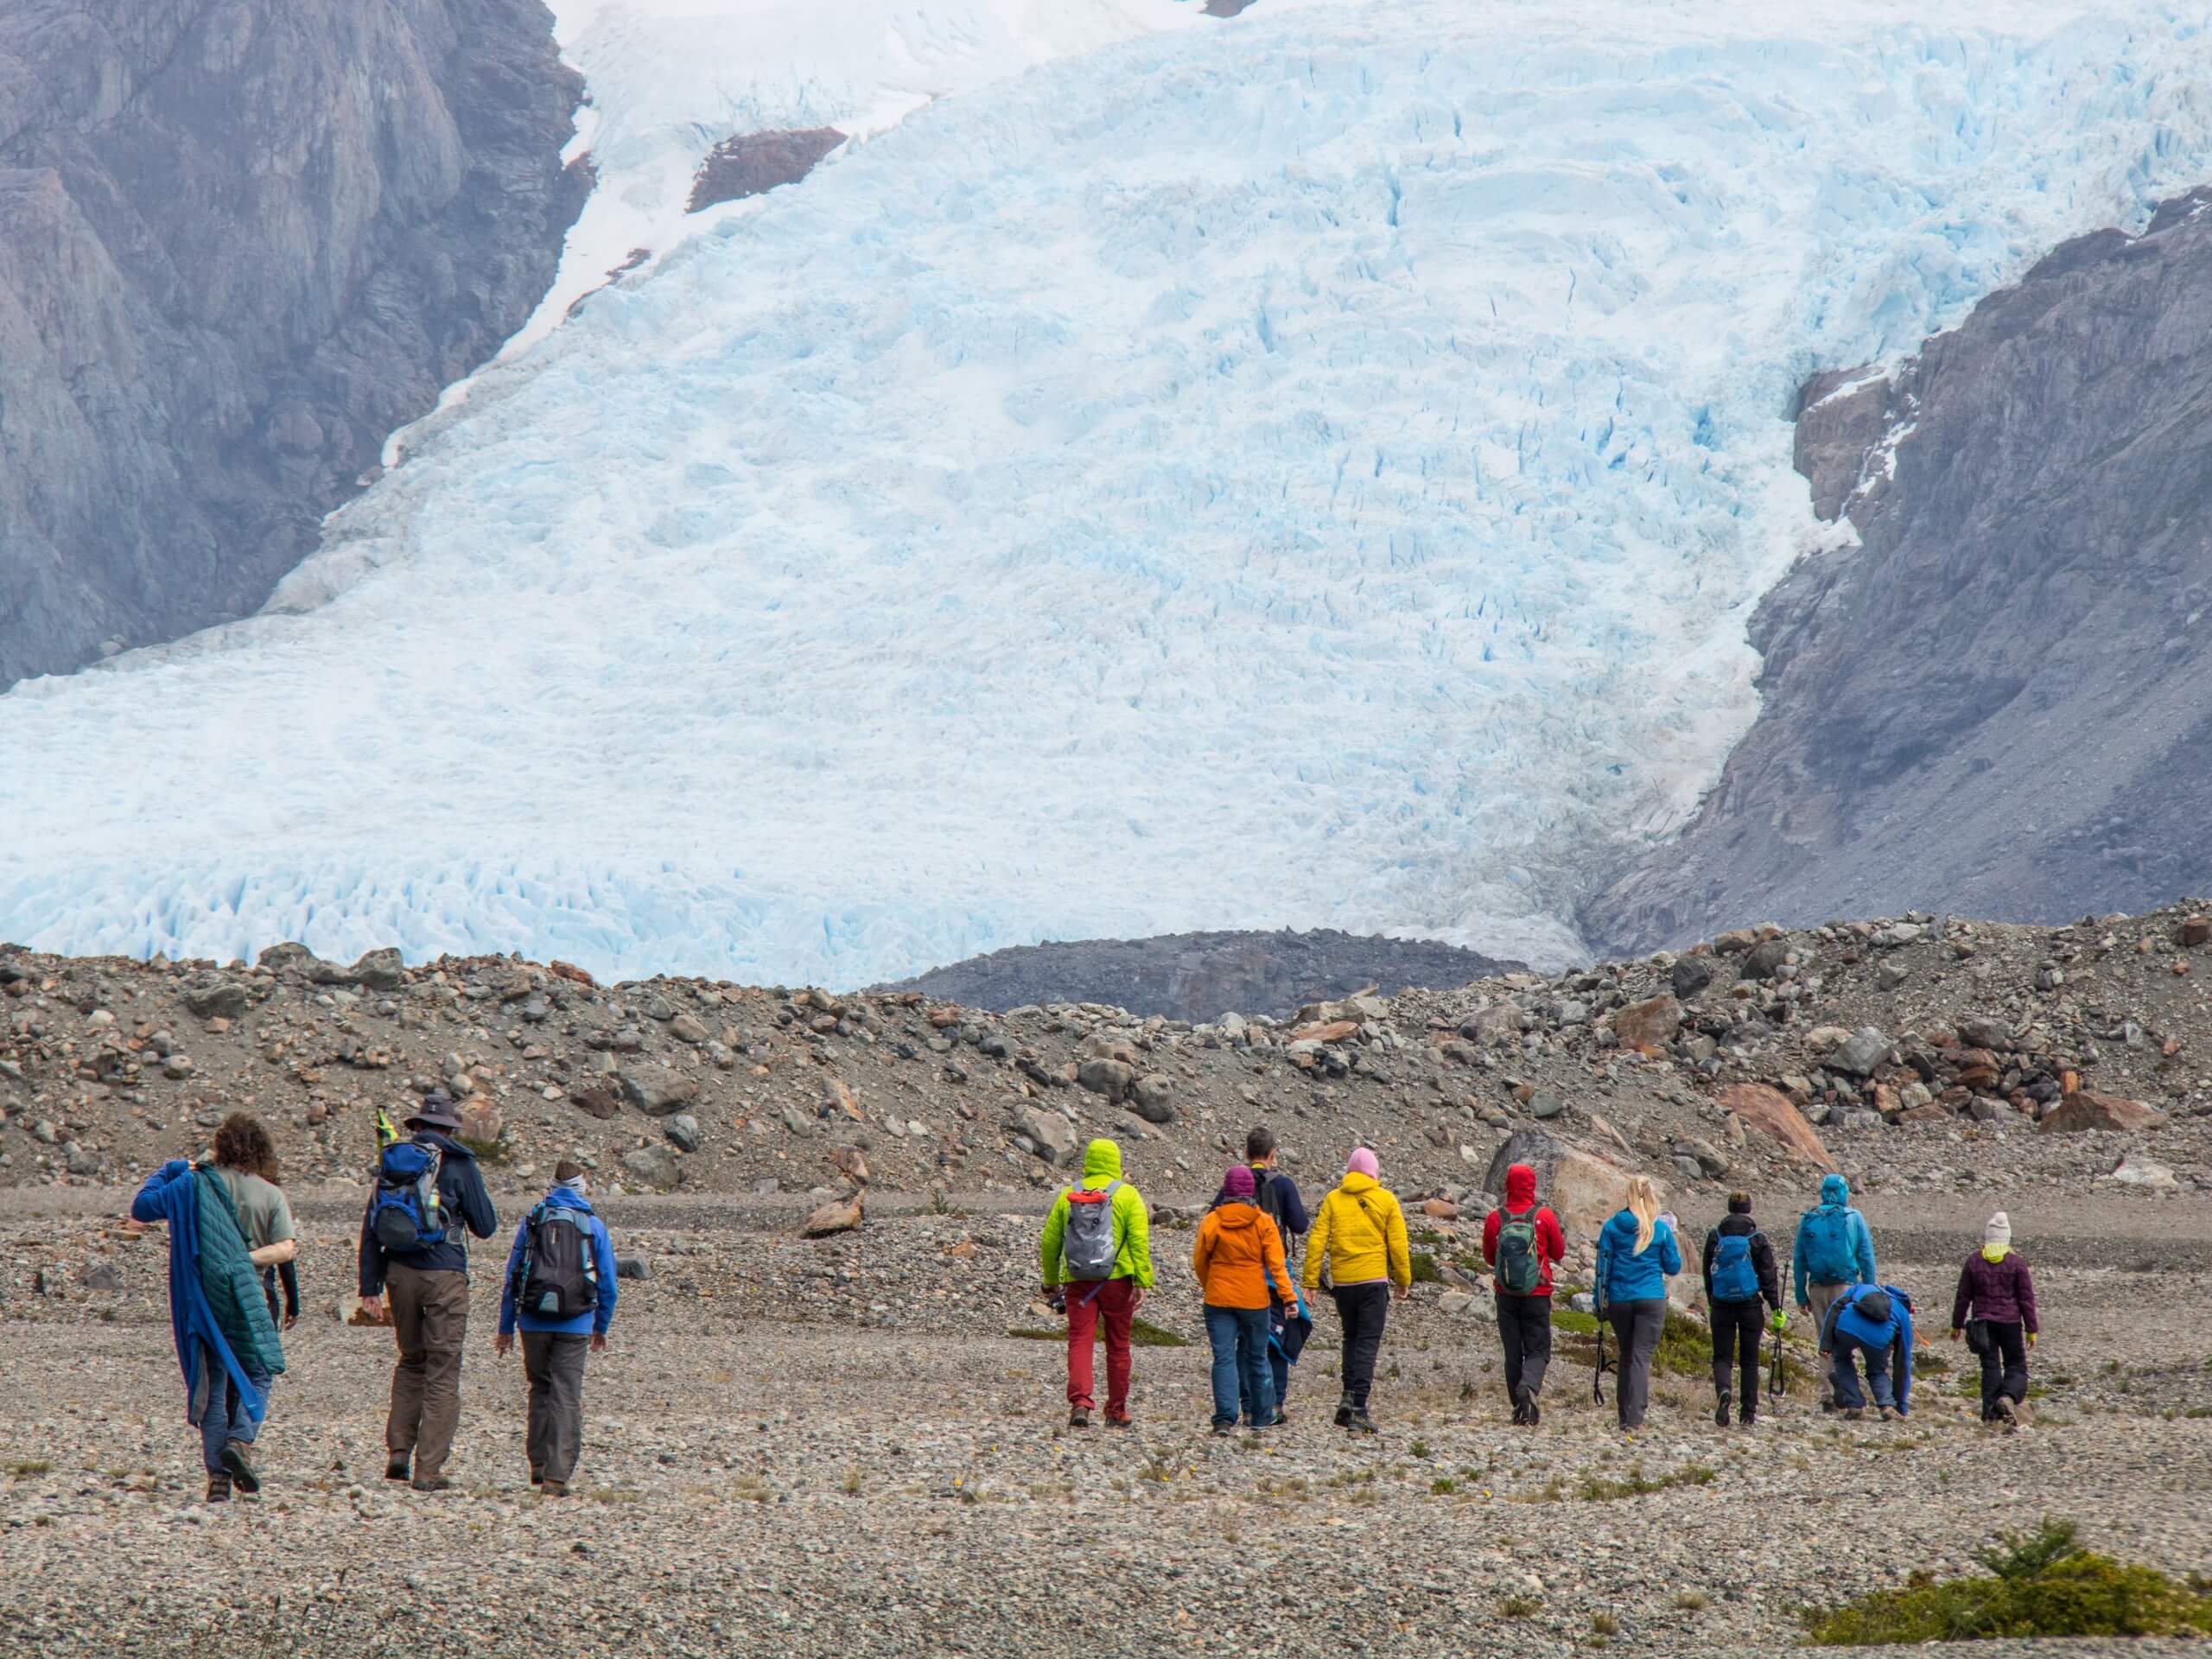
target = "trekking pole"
x: 1598, y: 1372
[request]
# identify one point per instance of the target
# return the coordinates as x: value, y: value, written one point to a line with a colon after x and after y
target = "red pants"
x: 1112, y: 1300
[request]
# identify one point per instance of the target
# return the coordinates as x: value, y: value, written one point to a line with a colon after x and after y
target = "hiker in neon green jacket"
x: 1110, y: 1289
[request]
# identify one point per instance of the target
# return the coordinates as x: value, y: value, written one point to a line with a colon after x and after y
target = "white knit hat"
x: 1999, y: 1230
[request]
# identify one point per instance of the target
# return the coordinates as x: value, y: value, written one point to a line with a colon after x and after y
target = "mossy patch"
x: 2039, y: 1583
x: 1143, y: 1333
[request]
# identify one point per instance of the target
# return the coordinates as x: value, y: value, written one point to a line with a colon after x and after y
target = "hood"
x: 1520, y: 1186
x: 1355, y: 1182
x: 1834, y: 1189
x: 567, y: 1198
x: 1872, y: 1304
x: 1101, y: 1162
x: 1238, y: 1212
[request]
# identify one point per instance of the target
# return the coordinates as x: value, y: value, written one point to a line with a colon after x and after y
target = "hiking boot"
x: 1343, y: 1414
x: 239, y: 1469
x: 396, y: 1465
x: 1535, y: 1411
x: 434, y: 1484
x: 1747, y: 1418
x: 1281, y: 1418
x: 1361, y: 1423
x: 1720, y: 1413
x: 1122, y: 1420
x: 554, y: 1488
x: 1885, y: 1413
x: 219, y: 1488
x: 2002, y: 1412
x: 537, y: 1477
x: 1224, y: 1428
x: 1079, y: 1418
x: 1853, y: 1414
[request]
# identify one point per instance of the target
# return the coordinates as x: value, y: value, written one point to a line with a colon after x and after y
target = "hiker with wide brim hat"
x: 429, y: 1196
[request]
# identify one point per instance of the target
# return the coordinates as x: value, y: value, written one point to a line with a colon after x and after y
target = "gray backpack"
x: 1088, y: 1247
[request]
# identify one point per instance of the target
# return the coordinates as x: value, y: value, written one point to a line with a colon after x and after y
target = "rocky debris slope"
x: 1917, y: 1055
x: 238, y: 245
x: 755, y: 161
x: 1195, y: 976
x: 1997, y: 703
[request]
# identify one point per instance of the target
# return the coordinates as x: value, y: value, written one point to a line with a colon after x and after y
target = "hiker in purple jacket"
x: 1995, y: 1311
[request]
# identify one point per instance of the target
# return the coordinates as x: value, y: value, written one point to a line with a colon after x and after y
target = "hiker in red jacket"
x: 1522, y: 1243
x: 1997, y: 1289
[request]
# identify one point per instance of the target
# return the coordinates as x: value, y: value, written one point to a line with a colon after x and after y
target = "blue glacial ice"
x: 1314, y: 470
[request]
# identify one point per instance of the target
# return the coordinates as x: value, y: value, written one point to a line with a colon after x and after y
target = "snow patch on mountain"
x: 1309, y: 472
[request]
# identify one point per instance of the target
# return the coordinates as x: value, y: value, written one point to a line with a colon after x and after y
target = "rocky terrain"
x: 1195, y: 976
x: 1993, y: 704
x: 239, y: 245
x: 860, y: 1436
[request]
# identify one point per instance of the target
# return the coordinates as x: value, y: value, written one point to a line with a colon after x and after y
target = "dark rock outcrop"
x: 754, y: 162
x: 1999, y: 703
x: 1197, y: 976
x: 239, y: 244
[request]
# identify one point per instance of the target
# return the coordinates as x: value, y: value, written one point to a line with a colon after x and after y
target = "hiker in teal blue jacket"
x: 1834, y: 1249
x: 226, y: 1342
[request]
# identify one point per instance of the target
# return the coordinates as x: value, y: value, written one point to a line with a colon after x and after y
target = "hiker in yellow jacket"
x: 1359, y: 1236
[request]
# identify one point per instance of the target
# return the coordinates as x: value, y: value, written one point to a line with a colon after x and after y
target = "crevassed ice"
x: 1313, y: 471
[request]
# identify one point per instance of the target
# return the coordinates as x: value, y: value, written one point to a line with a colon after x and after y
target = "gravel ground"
x: 836, y: 1447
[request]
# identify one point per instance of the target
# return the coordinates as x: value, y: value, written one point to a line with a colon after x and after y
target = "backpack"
x: 1088, y: 1246
x: 1735, y: 1278
x: 558, y: 1277
x: 405, y: 1213
x: 1520, y: 1260
x: 1829, y: 1259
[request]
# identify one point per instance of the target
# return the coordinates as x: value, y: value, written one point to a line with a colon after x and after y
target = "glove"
x: 2032, y: 1338
x: 1781, y: 1321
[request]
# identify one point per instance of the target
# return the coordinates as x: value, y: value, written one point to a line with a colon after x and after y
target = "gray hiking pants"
x: 1822, y: 1298
x: 555, y: 1365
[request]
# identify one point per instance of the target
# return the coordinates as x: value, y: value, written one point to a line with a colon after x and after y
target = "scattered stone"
x: 632, y: 1266
x: 1052, y: 1133
x: 838, y: 1216
x: 1152, y: 1098
x: 1690, y: 975
x: 2082, y: 1111
x: 380, y: 970
x: 2136, y: 1170
x: 683, y: 1131
x: 1773, y: 1113
x: 1649, y: 1025
x: 657, y: 1090
x: 655, y: 1167
x: 102, y: 1276
x: 224, y: 1000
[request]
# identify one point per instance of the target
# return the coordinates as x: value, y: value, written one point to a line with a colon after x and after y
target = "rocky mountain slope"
x: 1197, y: 975
x: 1917, y: 1055
x: 239, y: 245
x: 1998, y: 703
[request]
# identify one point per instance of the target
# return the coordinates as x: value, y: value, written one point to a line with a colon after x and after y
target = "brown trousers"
x: 430, y: 1315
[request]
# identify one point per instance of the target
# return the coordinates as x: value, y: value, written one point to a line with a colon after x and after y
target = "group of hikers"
x: 231, y: 1231
x: 1261, y: 1259
x: 1096, y: 1268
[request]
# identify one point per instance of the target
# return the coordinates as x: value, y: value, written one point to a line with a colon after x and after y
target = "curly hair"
x: 242, y: 1143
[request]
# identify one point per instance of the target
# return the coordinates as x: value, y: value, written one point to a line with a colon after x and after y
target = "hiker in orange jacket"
x: 1239, y: 1261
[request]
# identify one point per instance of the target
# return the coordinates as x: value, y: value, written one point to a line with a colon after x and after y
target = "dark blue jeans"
x: 225, y: 1417
x: 1278, y: 1370
x: 1847, y: 1393
x: 1239, y: 1336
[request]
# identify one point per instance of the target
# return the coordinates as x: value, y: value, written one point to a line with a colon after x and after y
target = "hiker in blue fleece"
x: 1876, y: 1320
x: 1835, y: 1248
x: 554, y: 1345
x: 226, y: 1343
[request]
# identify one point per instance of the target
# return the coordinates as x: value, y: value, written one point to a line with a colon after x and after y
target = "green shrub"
x: 2039, y: 1583
x: 1425, y: 1272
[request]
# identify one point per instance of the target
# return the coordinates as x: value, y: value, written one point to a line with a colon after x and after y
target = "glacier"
x: 1314, y: 470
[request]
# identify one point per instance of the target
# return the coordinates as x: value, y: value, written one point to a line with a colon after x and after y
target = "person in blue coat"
x: 562, y: 1259
x: 1875, y: 1320
x: 1637, y: 1254
x: 1835, y: 1248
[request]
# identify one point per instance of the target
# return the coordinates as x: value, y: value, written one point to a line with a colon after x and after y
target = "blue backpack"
x: 1735, y: 1278
x: 1829, y: 1259
x: 405, y: 1215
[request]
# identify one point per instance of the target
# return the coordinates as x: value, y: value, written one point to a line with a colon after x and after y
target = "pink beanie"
x: 1362, y: 1162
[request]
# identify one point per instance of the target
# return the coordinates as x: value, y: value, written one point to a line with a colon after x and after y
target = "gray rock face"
x: 1195, y: 976
x: 239, y: 245
x: 1999, y: 705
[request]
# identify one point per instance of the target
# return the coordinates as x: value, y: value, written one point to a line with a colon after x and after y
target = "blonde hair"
x: 1643, y: 1204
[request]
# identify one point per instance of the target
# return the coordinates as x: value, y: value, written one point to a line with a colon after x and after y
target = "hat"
x: 1238, y: 1183
x: 435, y: 1112
x: 1362, y: 1162
x: 1998, y: 1229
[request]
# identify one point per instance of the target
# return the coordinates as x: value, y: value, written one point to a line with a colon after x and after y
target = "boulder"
x: 1649, y: 1025
x: 632, y: 1266
x: 2134, y: 1169
x: 1051, y: 1133
x: 1773, y: 1113
x: 1859, y: 1054
x: 1112, y: 1078
x: 654, y: 1165
x: 688, y: 1028
x: 221, y: 1000
x: 656, y: 1090
x: 380, y: 970
x: 682, y: 1131
x: 1979, y: 1030
x: 2082, y: 1111
x: 107, y: 1276
x: 1152, y: 1098
x: 1499, y: 1023
x: 602, y: 1103
x: 838, y: 1216
x: 1690, y: 975
x: 481, y: 1121
x: 1582, y: 1187
x: 1468, y: 1305
x: 1764, y: 960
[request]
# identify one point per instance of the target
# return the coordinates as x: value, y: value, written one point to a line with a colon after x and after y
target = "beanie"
x: 1362, y: 1162
x: 1999, y: 1230
x: 1238, y: 1183
x: 1739, y: 1203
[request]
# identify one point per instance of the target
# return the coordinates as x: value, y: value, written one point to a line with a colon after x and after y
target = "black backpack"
x: 559, y: 1276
